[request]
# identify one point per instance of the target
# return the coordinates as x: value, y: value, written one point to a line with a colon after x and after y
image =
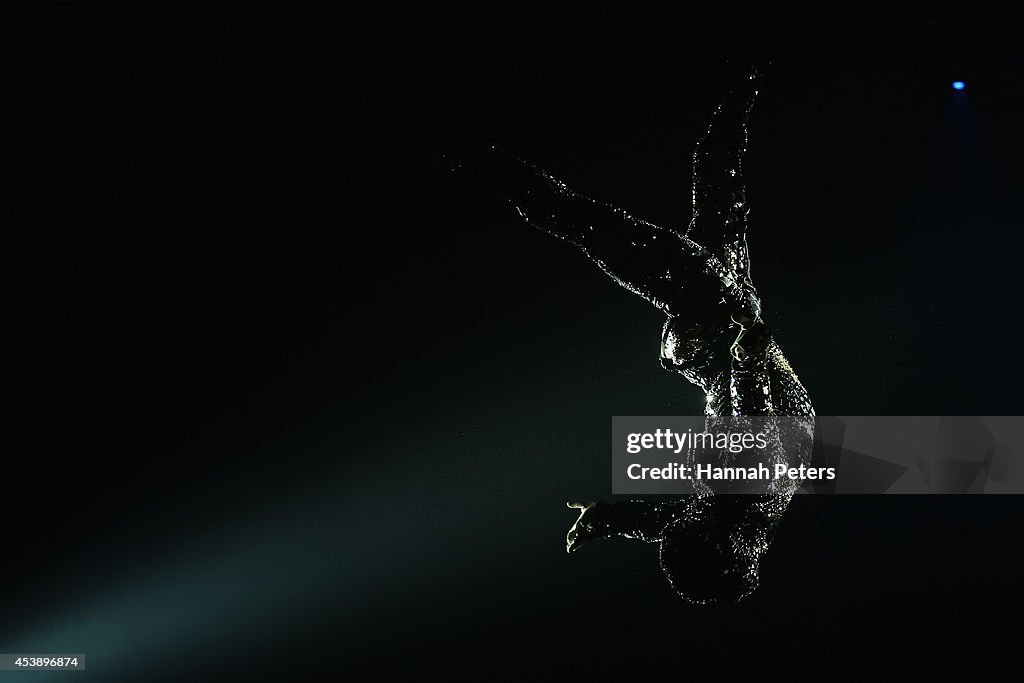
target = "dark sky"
x: 284, y: 391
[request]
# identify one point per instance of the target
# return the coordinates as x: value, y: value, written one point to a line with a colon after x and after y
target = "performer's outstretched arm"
x: 636, y: 519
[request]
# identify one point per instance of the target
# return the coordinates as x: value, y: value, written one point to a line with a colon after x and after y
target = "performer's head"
x: 704, y: 569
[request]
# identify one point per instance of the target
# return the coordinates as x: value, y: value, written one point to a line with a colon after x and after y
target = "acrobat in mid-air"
x: 714, y: 336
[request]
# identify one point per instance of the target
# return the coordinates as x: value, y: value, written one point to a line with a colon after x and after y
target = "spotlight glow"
x: 959, y: 85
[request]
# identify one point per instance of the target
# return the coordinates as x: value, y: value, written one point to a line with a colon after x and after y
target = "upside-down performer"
x: 714, y: 336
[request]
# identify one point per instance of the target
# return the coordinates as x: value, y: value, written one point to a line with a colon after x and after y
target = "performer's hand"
x: 581, y: 530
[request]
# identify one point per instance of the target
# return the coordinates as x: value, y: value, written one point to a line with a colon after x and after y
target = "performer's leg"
x: 659, y: 265
x: 719, y: 200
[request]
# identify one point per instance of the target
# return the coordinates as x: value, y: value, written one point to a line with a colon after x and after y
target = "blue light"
x: 959, y: 85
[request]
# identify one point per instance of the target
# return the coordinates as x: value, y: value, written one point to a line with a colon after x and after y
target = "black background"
x: 285, y: 393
